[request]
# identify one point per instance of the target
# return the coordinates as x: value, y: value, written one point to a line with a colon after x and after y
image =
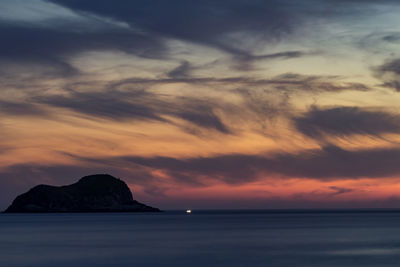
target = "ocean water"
x: 203, y: 238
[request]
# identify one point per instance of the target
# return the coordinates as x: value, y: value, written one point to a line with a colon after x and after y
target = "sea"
x: 304, y: 238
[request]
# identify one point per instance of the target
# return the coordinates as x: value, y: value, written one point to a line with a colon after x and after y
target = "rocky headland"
x: 94, y: 193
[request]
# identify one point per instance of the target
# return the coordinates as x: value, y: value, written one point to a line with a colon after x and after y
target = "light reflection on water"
x: 201, y: 239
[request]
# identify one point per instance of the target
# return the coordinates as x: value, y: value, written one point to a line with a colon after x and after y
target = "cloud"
x: 392, y: 38
x: 50, y: 37
x: 62, y: 29
x: 389, y: 73
x: 329, y: 163
x: 53, y: 41
x: 287, y: 82
x: 53, y: 32
x: 343, y: 121
x: 262, y: 100
x: 285, y: 55
x: 110, y: 105
x: 138, y: 105
x: 340, y: 190
x: 43, y: 58
x: 182, y: 71
x: 206, y: 22
x: 240, y: 28
x: 202, y: 115
x: 21, y: 108
x: 245, y: 61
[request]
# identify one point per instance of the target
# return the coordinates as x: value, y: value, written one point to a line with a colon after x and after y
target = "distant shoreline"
x: 229, y: 211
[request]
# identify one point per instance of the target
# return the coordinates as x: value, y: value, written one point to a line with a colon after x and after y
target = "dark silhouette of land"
x: 94, y: 193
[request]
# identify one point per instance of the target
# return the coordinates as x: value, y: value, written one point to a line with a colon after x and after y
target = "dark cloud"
x: 329, y: 163
x: 340, y: 190
x: 141, y: 28
x: 292, y: 82
x: 111, y: 105
x: 202, y: 115
x: 206, y: 22
x: 245, y: 61
x: 20, y: 108
x: 182, y: 71
x: 389, y: 73
x: 333, y: 162
x: 138, y: 105
x: 147, y: 25
x: 288, y: 82
x: 286, y: 55
x: 392, y: 38
x: 237, y: 27
x: 342, y: 121
x: 262, y: 100
x: 391, y: 66
x: 52, y: 46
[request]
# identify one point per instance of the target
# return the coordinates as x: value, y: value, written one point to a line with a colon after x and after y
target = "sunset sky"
x: 204, y: 104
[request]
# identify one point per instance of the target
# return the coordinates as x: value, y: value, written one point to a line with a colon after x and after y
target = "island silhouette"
x: 93, y: 193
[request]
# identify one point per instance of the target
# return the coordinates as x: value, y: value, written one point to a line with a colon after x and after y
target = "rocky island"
x: 94, y: 193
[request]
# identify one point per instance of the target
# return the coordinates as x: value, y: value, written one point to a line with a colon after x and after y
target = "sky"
x: 204, y: 104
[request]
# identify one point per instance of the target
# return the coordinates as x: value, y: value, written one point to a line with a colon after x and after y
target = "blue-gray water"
x: 218, y: 238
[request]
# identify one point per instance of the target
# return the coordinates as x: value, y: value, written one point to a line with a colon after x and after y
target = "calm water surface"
x: 217, y: 238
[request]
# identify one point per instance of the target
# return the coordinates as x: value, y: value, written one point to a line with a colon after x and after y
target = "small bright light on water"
x: 188, y: 211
